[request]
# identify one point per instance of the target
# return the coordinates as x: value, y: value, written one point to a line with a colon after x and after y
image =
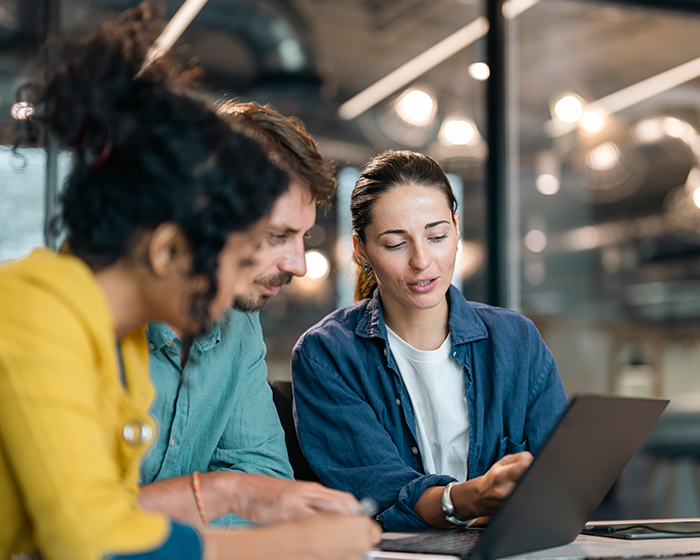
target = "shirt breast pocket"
x: 508, y: 447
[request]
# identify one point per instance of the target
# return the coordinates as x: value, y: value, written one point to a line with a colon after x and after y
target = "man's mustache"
x: 277, y: 280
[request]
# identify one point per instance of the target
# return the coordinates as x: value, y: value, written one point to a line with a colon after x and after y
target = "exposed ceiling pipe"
x: 426, y: 61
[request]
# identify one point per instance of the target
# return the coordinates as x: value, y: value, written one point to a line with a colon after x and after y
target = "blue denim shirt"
x: 217, y: 413
x: 355, y: 420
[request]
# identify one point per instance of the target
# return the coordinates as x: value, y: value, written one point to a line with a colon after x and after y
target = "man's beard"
x: 249, y: 305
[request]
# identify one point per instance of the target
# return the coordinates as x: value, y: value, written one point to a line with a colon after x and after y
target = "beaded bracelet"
x: 198, y: 498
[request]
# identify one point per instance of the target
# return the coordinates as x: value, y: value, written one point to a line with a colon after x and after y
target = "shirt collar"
x: 465, y: 324
x: 160, y: 334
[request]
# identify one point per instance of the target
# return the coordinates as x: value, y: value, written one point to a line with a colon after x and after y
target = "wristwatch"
x: 448, y: 507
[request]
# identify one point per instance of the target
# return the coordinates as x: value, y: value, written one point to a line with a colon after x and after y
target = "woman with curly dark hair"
x: 164, y: 210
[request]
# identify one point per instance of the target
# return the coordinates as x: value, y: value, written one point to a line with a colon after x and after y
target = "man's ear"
x: 168, y: 250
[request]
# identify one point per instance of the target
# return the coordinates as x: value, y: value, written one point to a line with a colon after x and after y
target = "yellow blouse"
x: 71, y: 435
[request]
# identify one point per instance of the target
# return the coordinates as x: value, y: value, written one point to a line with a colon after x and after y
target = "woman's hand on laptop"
x: 483, y: 495
x: 498, y: 482
x: 267, y: 500
x: 478, y: 498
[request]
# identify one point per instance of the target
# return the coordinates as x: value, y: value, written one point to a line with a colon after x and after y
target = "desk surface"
x: 586, y: 547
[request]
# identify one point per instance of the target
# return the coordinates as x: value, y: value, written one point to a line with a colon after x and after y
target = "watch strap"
x: 448, y: 507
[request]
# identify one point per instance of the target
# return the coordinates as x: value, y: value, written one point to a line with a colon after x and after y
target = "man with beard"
x: 215, y: 415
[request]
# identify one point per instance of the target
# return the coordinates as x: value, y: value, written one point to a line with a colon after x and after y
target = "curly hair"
x: 288, y: 144
x: 146, y: 153
x: 380, y: 175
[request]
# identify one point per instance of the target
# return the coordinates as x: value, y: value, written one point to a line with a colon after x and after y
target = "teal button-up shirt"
x: 217, y: 413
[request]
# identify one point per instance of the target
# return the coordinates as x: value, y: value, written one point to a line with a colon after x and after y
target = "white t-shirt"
x: 435, y: 383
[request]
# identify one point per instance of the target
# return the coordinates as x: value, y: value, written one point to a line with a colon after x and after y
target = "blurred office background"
x: 600, y: 172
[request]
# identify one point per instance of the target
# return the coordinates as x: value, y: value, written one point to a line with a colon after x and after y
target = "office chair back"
x: 282, y: 396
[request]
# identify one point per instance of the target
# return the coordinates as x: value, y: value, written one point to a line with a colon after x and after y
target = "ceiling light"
x: 676, y: 128
x: 568, y: 108
x: 593, y: 121
x: 584, y: 238
x: 459, y: 132
x: 648, y: 131
x: 416, y: 107
x: 603, y: 157
x: 636, y: 93
x: 547, y: 184
x: 479, y: 71
x: 316, y: 265
x: 425, y: 61
x: 535, y: 240
x: 547, y: 171
x: 413, y: 69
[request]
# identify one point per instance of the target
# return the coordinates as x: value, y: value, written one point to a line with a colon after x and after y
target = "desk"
x: 586, y: 547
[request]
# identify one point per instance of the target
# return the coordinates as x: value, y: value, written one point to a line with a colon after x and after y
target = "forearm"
x: 174, y: 497
x: 464, y: 498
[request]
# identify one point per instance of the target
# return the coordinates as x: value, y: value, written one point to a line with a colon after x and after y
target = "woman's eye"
x: 439, y: 237
x: 394, y: 246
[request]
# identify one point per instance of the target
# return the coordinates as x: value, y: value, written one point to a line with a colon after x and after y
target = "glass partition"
x: 608, y: 122
x: 608, y: 118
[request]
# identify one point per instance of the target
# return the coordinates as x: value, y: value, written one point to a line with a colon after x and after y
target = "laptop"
x: 576, y: 467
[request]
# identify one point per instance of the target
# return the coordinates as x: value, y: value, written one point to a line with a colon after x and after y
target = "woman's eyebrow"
x: 402, y: 231
x: 433, y: 224
x: 389, y: 231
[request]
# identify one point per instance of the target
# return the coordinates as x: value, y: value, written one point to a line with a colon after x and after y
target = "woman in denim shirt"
x: 425, y: 402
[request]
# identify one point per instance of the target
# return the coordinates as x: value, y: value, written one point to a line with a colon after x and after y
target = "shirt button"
x: 414, y: 450
x: 172, y: 441
x: 398, y: 401
x: 170, y: 344
x: 385, y: 352
x: 151, y: 346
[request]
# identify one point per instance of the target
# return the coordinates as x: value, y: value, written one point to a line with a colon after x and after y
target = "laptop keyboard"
x: 444, y: 542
